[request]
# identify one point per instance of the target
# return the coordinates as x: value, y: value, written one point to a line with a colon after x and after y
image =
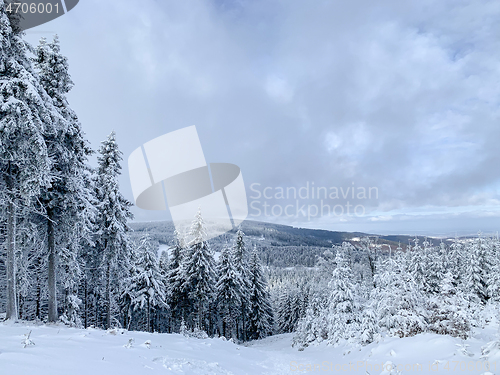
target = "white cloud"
x: 404, y: 97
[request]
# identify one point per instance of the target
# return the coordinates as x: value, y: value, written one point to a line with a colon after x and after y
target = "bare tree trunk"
x: 149, y: 317
x: 108, y: 296
x: 52, y: 267
x: 38, y: 307
x: 86, y: 306
x: 96, y: 309
x: 200, y: 319
x: 243, y: 325
x: 12, y: 311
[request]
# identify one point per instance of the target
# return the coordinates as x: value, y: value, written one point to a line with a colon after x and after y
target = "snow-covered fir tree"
x: 326, y: 264
x: 228, y: 293
x: 27, y: 114
x: 398, y: 300
x: 67, y: 203
x: 112, y: 239
x: 290, y: 307
x: 313, y: 327
x: 147, y: 284
x: 448, y: 311
x: 260, y: 312
x: 457, y: 261
x: 177, y: 296
x: 494, y: 275
x: 476, y: 272
x: 198, y: 275
x: 163, y: 263
x: 368, y: 327
x: 240, y: 257
x: 340, y: 318
x: 432, y: 267
x: 126, y: 290
x: 418, y: 261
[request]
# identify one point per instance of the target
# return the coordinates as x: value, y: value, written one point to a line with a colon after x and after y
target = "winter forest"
x: 71, y: 257
x: 68, y: 251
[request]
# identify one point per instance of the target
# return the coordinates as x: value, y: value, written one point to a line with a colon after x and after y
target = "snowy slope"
x: 61, y: 350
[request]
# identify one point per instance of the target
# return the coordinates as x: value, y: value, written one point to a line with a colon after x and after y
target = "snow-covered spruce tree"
x: 30, y: 266
x: 476, y: 268
x: 340, y: 311
x: 24, y: 276
x: 431, y: 264
x: 198, y: 274
x: 312, y: 328
x: 448, y: 311
x: 228, y: 291
x: 26, y: 115
x: 398, y: 301
x: 368, y: 328
x: 326, y: 264
x: 163, y: 263
x: 112, y: 239
x: 443, y: 264
x: 456, y: 261
x: 494, y: 275
x: 147, y: 285
x: 291, y: 307
x: 241, y: 264
x: 284, y: 311
x: 417, y: 265
x: 127, y: 291
x: 260, y: 320
x: 67, y: 203
x: 71, y: 272
x: 162, y: 315
x: 177, y: 297
x: 371, y: 257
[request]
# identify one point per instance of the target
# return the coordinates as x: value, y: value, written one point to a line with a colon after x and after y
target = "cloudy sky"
x: 401, y: 96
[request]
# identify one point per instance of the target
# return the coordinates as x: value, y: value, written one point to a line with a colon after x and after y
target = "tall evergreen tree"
x: 228, y: 289
x: 291, y: 307
x: 67, y: 203
x: 26, y: 115
x: 476, y: 278
x: 198, y: 274
x: 399, y: 303
x: 368, y: 327
x: 127, y: 292
x: 176, y: 294
x: 417, y: 265
x: 111, y: 221
x: 340, y: 311
x: 448, y: 315
x: 147, y: 285
x: 241, y: 263
x: 494, y: 275
x: 312, y: 328
x: 260, y: 322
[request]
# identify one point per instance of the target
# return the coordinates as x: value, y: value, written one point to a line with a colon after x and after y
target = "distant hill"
x: 280, y: 245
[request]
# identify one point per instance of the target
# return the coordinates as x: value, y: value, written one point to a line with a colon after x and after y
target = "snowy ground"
x: 61, y: 350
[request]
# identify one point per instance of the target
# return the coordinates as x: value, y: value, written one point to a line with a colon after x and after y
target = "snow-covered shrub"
x: 313, y: 327
x: 27, y: 341
x: 399, y: 301
x: 368, y: 329
x: 448, y: 311
x: 195, y: 333
x: 340, y: 317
